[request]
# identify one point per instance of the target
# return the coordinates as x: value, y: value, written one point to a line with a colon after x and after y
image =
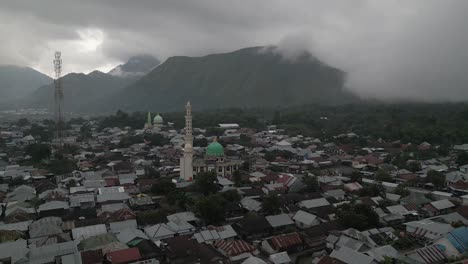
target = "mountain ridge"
x: 249, y: 77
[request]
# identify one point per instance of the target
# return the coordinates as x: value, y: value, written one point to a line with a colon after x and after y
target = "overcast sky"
x: 393, y: 49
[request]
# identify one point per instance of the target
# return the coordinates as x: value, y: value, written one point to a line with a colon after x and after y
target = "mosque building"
x: 214, y: 159
x: 153, y: 125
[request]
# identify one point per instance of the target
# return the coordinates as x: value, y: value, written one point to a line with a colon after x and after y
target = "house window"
x: 228, y: 168
x: 220, y: 169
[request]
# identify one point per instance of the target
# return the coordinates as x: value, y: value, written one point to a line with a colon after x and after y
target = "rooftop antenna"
x: 58, y: 99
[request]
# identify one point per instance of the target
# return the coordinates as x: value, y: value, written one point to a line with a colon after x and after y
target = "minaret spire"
x: 186, y: 162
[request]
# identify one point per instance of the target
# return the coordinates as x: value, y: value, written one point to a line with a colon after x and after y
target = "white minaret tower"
x: 186, y: 166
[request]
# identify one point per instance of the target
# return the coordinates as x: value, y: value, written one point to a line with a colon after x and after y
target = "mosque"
x: 153, y: 125
x: 214, y: 159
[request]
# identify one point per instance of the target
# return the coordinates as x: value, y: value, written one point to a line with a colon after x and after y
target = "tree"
x: 437, y: 178
x: 150, y: 172
x: 311, y: 184
x: 237, y: 177
x: 414, y: 166
x: 402, y: 190
x: 356, y: 176
x: 179, y: 198
x: 38, y: 152
x: 22, y: 122
x: 359, y: 216
x: 163, y: 187
x: 156, y: 139
x: 207, y: 182
x: 271, y: 204
x: 231, y: 196
x: 71, y: 183
x: 85, y: 132
x: 462, y: 158
x: 61, y: 166
x: 152, y: 217
x: 372, y: 190
x: 210, y: 208
x: 383, y: 176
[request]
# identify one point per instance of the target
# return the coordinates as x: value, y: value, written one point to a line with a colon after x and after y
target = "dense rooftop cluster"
x: 114, y: 195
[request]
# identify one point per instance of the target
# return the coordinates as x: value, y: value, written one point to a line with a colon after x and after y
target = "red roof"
x: 234, y: 247
x: 124, y: 255
x: 285, y: 242
x: 285, y: 179
x: 111, y: 181
x: 92, y: 256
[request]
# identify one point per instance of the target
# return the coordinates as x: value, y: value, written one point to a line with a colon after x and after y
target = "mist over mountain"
x: 136, y: 66
x: 250, y: 77
x: 17, y: 82
x: 80, y: 90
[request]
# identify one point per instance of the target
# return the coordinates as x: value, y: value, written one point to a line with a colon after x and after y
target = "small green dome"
x: 215, y: 149
x: 158, y: 119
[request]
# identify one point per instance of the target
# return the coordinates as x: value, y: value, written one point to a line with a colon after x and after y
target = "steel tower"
x: 59, y: 122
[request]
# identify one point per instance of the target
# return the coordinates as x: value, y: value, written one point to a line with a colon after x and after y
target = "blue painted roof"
x: 459, y: 238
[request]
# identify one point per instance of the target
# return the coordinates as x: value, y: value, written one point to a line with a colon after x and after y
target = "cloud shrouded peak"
x: 392, y: 49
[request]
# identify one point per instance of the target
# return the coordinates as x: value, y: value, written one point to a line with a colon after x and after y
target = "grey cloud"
x: 390, y: 49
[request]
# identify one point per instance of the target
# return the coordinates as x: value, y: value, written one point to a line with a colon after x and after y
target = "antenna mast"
x: 58, y: 98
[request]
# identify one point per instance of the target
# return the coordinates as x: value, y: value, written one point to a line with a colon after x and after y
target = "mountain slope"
x: 251, y: 77
x: 17, y: 82
x: 80, y: 90
x: 136, y: 66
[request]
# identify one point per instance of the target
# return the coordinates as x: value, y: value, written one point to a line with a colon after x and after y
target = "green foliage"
x: 71, y: 183
x: 163, y: 187
x: 42, y: 132
x: 372, y: 190
x: 356, y: 176
x: 211, y: 208
x: 7, y: 235
x: 404, y: 243
x: 243, y: 78
x: 22, y: 122
x: 311, y: 184
x: 271, y: 204
x: 38, y: 152
x: 152, y: 217
x: 150, y: 172
x: 200, y: 142
x: 462, y: 158
x: 413, y: 166
x: 61, y: 166
x: 85, y: 132
x: 122, y: 119
x: 179, y: 198
x: 214, y: 131
x: 237, y: 178
x: 359, y: 216
x: 402, y: 190
x: 156, y: 140
x: 383, y: 176
x: 231, y: 196
x: 207, y: 182
x: 272, y: 155
x: 436, y: 178
x: 127, y: 141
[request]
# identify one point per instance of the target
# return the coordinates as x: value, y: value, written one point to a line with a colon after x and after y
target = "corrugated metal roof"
x: 116, y: 227
x: 128, y: 235
x: 350, y: 256
x: 88, y: 231
x: 279, y: 220
x: 234, y: 247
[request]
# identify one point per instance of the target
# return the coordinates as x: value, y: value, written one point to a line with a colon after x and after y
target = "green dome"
x: 215, y: 149
x: 158, y: 119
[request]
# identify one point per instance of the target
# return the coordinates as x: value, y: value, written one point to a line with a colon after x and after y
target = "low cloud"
x: 390, y: 49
